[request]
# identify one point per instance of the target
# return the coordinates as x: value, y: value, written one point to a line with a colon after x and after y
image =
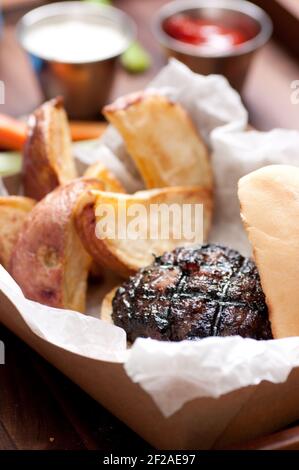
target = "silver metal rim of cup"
x: 247, y: 8
x: 118, y: 17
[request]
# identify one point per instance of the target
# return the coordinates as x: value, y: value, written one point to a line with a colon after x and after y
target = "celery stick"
x: 10, y: 163
x: 136, y: 59
x: 103, y: 2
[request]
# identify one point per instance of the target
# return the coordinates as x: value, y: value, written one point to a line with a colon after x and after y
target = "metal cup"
x: 85, y: 86
x: 233, y: 63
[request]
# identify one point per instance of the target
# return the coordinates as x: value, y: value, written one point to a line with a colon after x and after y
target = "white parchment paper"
x: 174, y: 373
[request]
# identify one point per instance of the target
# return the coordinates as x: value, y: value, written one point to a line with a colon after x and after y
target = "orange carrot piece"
x: 85, y: 130
x: 12, y: 133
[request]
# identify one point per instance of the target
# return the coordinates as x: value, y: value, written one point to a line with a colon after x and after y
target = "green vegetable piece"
x: 136, y: 59
x: 103, y: 2
x: 10, y: 163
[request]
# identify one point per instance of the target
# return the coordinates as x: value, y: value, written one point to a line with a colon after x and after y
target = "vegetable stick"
x: 13, y: 133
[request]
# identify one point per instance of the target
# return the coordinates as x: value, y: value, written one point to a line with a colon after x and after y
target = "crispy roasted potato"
x: 111, y: 183
x: 49, y: 261
x: 162, y: 140
x: 48, y: 160
x: 100, y: 172
x: 106, y: 307
x: 125, y: 255
x: 13, y: 213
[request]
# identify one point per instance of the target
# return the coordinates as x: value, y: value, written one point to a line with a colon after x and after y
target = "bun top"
x: 269, y: 199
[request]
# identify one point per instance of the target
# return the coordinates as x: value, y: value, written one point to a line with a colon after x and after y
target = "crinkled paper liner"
x: 175, y: 373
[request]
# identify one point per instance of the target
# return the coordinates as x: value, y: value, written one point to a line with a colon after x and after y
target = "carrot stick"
x: 84, y: 130
x: 12, y: 133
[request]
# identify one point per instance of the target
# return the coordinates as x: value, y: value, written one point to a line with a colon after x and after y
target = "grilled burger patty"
x: 192, y: 293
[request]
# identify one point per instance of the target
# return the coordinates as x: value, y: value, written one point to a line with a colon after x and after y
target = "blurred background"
x: 266, y: 91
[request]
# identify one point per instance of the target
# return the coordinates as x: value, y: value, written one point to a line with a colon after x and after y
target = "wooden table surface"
x: 40, y: 408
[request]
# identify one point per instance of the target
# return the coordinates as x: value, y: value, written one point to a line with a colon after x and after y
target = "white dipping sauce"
x: 74, y: 41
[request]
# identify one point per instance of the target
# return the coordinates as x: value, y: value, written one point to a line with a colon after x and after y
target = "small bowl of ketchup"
x: 213, y: 36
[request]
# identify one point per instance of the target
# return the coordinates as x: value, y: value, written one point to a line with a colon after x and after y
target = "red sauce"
x: 203, y: 32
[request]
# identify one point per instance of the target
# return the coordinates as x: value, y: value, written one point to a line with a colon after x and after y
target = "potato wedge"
x: 13, y: 213
x: 126, y: 254
x: 162, y: 140
x: 49, y: 261
x: 48, y: 160
x: 106, y: 307
x: 100, y: 172
x: 111, y: 183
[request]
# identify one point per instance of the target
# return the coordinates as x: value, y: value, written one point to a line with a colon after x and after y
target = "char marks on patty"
x: 193, y: 293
